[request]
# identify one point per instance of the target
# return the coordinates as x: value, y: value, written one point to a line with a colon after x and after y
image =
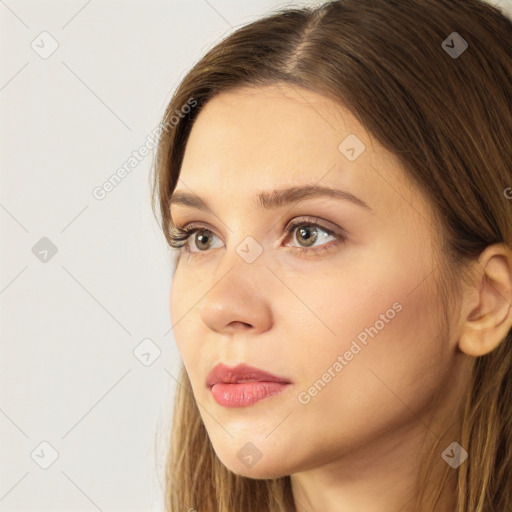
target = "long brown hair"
x: 448, y: 118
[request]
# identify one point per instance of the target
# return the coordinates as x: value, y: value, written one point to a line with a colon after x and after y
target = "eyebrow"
x: 274, y: 199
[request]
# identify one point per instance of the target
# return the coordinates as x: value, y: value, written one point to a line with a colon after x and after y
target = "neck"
x: 382, y: 475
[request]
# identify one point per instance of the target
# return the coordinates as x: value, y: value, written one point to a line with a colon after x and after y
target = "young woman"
x: 336, y: 183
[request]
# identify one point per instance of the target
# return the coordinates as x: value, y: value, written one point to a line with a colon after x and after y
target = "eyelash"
x: 179, y: 236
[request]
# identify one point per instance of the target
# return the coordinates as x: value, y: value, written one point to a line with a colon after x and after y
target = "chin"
x: 259, y: 471
x: 247, y: 464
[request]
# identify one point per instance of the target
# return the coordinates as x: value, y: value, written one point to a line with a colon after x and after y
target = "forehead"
x: 279, y: 123
x: 275, y: 135
x: 263, y: 138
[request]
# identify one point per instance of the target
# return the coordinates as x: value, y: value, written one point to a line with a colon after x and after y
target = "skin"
x: 356, y: 444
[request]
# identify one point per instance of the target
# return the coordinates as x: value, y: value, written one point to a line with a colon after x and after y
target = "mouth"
x: 243, y: 385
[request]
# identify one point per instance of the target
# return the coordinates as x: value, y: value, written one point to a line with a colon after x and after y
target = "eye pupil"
x: 309, y: 238
x: 202, y: 238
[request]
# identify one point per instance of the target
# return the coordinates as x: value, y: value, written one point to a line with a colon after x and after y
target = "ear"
x: 487, y: 314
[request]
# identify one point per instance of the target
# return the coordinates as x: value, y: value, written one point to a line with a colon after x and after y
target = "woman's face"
x: 343, y: 308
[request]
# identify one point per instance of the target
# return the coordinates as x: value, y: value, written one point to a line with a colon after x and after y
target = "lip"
x: 243, y: 385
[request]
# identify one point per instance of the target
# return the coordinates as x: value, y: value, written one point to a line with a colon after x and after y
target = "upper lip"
x: 240, y: 373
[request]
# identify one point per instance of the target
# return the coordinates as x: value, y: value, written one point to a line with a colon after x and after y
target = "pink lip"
x: 243, y: 385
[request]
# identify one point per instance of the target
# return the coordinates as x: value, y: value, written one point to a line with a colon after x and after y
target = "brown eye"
x: 308, y: 234
x: 201, y: 239
x: 197, y: 238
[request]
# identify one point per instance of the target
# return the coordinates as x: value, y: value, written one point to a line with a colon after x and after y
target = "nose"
x: 239, y: 299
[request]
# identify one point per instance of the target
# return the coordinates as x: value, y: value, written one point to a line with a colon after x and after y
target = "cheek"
x: 188, y: 330
x: 387, y: 357
x: 382, y: 298
x: 180, y: 302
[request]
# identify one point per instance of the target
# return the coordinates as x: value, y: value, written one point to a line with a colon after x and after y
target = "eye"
x: 201, y: 236
x: 308, y: 233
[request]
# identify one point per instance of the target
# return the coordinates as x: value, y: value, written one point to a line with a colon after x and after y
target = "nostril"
x: 237, y: 324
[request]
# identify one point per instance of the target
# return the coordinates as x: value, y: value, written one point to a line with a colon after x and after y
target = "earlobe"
x: 489, y: 303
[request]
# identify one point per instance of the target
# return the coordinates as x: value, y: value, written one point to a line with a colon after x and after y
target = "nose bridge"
x: 243, y: 267
x: 243, y: 251
x: 239, y: 290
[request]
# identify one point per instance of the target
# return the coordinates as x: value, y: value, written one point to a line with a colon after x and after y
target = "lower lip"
x: 245, y: 393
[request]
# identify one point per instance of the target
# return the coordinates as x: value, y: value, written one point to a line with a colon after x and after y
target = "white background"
x: 69, y: 325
